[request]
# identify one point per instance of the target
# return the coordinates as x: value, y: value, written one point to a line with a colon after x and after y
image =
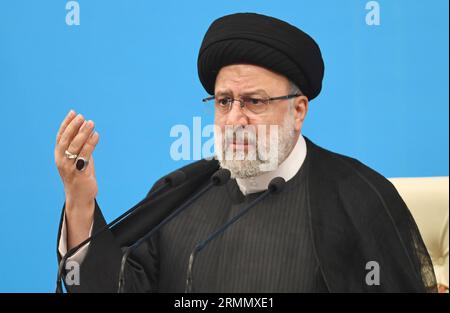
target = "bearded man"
x: 333, y: 222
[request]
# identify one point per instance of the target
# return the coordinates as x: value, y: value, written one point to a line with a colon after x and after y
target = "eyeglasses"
x: 254, y: 105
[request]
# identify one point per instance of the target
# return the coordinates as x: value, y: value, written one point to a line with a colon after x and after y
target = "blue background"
x: 131, y: 67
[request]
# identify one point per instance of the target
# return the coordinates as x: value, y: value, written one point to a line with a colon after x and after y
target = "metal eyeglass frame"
x: 241, y: 102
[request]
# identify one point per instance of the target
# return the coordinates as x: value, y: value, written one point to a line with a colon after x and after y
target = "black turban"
x: 265, y: 41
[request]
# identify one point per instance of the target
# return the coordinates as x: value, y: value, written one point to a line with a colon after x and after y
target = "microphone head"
x: 175, y: 178
x: 220, y: 177
x: 276, y: 185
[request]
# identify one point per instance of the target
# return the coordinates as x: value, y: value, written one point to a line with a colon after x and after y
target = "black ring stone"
x: 80, y: 164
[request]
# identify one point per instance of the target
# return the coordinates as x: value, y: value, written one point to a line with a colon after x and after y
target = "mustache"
x: 240, y: 135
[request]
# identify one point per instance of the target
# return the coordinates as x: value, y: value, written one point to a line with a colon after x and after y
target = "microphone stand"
x: 275, y: 186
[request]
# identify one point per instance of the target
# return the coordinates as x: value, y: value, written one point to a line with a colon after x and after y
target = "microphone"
x: 275, y: 186
x: 172, y: 180
x: 219, y: 178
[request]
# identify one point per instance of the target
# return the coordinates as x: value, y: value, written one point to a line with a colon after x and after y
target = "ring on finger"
x: 70, y: 155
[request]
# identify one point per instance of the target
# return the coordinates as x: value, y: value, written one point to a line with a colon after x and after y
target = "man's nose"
x: 236, y: 115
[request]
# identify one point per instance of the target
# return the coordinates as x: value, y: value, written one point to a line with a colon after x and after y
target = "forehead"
x: 244, y: 77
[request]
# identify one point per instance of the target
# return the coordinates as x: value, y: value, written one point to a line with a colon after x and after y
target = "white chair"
x: 428, y: 200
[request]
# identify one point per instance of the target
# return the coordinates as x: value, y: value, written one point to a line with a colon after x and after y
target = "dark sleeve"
x: 363, y: 222
x: 416, y: 259
x: 100, y: 268
x: 390, y: 234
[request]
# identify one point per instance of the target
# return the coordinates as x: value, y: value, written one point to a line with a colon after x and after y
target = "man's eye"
x: 223, y: 101
x: 254, y: 101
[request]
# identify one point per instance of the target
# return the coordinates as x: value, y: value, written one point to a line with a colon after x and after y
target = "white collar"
x: 287, y: 169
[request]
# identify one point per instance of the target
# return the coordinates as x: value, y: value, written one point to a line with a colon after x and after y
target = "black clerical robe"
x: 333, y: 218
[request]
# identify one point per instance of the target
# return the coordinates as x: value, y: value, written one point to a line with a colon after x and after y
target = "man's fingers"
x: 69, y: 117
x: 82, y: 137
x: 69, y: 133
x: 89, y: 146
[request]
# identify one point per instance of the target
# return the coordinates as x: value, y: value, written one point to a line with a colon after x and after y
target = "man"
x: 334, y: 221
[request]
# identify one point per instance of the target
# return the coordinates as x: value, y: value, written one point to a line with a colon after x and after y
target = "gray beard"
x: 260, y: 161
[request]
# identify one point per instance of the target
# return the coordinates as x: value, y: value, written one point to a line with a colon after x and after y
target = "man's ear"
x: 300, y: 111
